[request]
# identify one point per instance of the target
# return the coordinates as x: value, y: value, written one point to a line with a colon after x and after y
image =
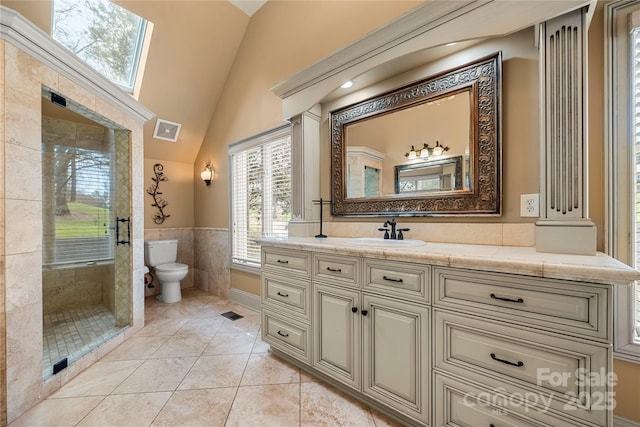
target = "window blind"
x: 635, y: 136
x: 78, y: 213
x: 260, y: 193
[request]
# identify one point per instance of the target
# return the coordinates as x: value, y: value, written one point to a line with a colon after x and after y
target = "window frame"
x: 618, y: 173
x: 246, y: 144
x: 139, y: 57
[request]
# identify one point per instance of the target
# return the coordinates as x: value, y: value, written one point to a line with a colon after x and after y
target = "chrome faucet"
x: 393, y: 224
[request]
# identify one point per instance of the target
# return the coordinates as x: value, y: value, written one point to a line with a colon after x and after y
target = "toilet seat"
x: 172, y: 266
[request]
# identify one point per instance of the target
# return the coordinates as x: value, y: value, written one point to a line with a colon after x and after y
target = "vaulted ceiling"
x: 193, y: 46
x: 192, y: 49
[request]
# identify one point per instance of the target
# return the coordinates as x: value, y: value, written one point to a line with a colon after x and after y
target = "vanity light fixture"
x: 347, y: 84
x: 438, y: 150
x: 207, y: 174
x: 426, y: 151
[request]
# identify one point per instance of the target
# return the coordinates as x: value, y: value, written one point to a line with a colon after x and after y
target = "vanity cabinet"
x: 444, y: 345
x: 543, y: 344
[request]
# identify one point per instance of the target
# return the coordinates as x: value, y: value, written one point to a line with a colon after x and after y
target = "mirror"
x: 430, y: 148
x: 430, y: 176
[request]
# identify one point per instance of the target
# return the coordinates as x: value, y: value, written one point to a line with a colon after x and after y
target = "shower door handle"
x: 123, y: 241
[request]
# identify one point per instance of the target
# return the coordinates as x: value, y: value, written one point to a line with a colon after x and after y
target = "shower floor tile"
x: 73, y: 332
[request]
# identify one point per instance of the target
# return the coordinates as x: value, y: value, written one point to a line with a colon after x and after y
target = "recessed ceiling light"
x: 347, y: 84
x: 451, y: 44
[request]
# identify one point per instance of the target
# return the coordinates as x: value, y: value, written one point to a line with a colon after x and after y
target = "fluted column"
x: 564, y: 225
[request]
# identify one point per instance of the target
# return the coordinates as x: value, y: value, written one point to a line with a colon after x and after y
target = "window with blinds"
x: 635, y: 137
x: 77, y: 196
x: 260, y: 193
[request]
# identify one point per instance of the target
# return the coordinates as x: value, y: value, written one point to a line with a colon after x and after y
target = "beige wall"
x: 177, y: 190
x: 282, y: 38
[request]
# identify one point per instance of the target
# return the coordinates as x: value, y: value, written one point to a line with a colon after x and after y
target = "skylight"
x: 104, y: 35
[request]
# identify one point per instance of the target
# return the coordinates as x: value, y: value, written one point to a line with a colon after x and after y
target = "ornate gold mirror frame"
x: 482, y: 196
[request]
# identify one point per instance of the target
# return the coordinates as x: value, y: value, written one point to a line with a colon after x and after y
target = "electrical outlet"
x: 530, y: 205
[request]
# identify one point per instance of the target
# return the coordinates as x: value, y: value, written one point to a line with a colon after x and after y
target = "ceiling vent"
x: 167, y: 130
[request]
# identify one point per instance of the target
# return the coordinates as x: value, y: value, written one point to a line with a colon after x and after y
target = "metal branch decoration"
x: 154, y: 191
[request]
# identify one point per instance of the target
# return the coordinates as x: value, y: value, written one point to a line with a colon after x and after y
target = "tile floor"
x: 189, y: 366
x: 74, y: 332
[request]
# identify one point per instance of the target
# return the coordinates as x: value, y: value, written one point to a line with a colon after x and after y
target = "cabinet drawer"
x: 459, y: 403
x: 523, y: 362
x: 286, y: 261
x: 287, y: 294
x: 550, y: 304
x: 344, y: 270
x: 287, y: 335
x: 397, y: 278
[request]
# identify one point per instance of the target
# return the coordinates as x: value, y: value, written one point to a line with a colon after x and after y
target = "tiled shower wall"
x: 21, y: 251
x: 207, y: 253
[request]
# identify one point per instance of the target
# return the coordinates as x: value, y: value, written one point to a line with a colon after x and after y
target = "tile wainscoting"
x: 207, y: 253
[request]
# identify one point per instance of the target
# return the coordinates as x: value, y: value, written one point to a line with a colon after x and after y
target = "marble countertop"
x: 599, y: 268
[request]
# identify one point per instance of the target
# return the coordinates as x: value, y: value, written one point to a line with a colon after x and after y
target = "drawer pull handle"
x: 335, y: 270
x: 283, y: 295
x: 280, y: 261
x: 283, y: 334
x: 519, y: 364
x: 519, y: 300
x: 391, y: 279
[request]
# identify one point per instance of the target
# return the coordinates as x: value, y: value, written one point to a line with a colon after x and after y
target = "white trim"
x: 246, y: 299
x: 618, y: 193
x: 432, y: 24
x: 623, y: 422
x: 20, y: 32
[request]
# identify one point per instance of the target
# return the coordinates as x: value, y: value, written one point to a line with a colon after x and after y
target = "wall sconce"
x: 207, y: 175
x: 426, y: 151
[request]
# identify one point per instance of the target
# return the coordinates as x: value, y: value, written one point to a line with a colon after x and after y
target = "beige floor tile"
x: 58, y: 412
x: 157, y: 375
x: 246, y: 324
x: 260, y: 346
x: 215, y: 372
x: 322, y: 405
x: 266, y: 406
x: 267, y: 369
x: 126, y: 410
x: 162, y: 326
x: 180, y: 310
x: 196, y: 408
x: 136, y: 347
x: 307, y: 378
x: 182, y: 346
x: 231, y: 343
x: 203, y: 326
x: 98, y: 380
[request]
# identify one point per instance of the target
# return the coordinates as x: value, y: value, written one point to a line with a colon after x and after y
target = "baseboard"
x: 623, y: 422
x: 246, y: 299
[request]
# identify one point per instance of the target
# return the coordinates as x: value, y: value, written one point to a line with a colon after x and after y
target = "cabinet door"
x: 337, y: 333
x: 396, y: 355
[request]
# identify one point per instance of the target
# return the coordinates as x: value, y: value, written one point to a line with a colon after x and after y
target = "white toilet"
x: 161, y: 255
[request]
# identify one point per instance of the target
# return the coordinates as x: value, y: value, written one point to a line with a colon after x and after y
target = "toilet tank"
x: 158, y: 252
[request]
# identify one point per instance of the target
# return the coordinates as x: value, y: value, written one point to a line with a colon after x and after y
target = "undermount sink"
x: 384, y: 243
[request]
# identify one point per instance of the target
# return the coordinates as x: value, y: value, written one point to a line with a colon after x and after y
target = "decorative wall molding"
x: 432, y: 24
x: 17, y: 30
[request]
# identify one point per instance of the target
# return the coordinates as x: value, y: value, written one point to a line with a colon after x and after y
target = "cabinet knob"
x: 364, y: 312
x: 354, y: 309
